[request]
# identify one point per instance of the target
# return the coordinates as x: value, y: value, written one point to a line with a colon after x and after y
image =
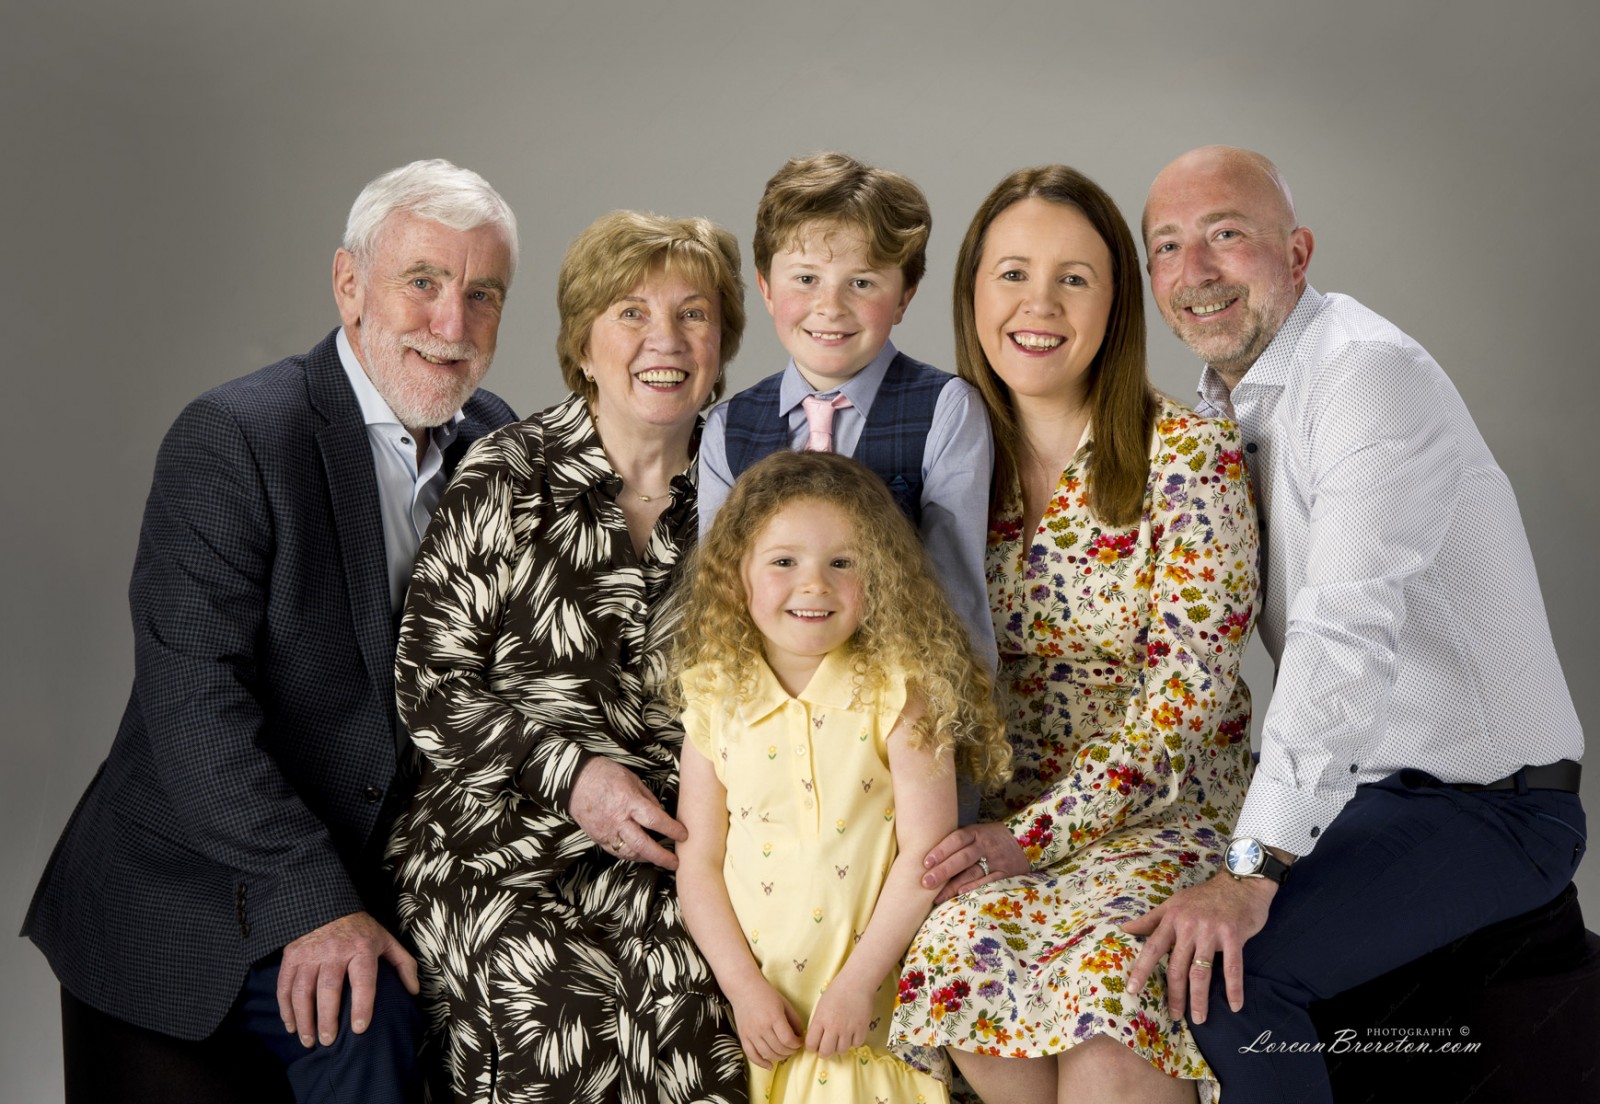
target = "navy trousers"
x: 379, y: 1066
x: 109, y: 1060
x: 1406, y: 867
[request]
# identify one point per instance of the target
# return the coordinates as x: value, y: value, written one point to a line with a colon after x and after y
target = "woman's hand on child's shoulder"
x: 769, y: 1027
x: 841, y: 1020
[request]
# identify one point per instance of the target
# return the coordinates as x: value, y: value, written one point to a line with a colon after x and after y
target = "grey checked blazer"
x: 247, y: 792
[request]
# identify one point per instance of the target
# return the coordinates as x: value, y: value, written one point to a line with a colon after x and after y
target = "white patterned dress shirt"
x: 1400, y: 604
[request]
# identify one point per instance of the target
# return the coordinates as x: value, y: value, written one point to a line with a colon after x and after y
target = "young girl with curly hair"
x: 829, y: 695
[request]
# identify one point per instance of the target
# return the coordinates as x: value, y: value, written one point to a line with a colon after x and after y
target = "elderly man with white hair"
x: 222, y: 876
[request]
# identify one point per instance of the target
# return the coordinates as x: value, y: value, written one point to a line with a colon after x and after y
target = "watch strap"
x: 1274, y: 867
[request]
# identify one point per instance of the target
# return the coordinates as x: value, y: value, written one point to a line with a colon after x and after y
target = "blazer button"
x: 372, y: 793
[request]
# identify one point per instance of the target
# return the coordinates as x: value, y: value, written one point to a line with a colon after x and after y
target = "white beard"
x: 420, y: 399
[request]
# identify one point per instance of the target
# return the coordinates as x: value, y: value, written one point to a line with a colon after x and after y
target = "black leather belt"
x: 1560, y: 775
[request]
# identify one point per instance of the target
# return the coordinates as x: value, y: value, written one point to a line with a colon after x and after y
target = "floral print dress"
x: 1119, y: 663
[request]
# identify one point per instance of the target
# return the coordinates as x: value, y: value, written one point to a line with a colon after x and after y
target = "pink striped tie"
x: 819, y: 420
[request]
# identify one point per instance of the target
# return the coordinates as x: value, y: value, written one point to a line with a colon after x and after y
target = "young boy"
x: 840, y: 248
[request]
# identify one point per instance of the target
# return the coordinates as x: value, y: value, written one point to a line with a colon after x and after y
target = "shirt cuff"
x: 1282, y: 816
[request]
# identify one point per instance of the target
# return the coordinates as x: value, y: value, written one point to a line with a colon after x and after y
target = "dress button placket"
x: 805, y: 777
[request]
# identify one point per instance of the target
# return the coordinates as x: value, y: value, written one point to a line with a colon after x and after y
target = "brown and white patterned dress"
x: 551, y: 970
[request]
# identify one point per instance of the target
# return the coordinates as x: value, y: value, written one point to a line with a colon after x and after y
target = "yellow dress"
x: 811, y: 837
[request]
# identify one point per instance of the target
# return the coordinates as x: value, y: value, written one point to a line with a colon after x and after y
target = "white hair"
x: 433, y: 189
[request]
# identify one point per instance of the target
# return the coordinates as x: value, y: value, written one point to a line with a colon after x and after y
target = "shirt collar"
x: 834, y: 686
x: 375, y: 409
x: 860, y: 388
x: 575, y: 459
x: 1215, y: 401
x: 1276, y: 362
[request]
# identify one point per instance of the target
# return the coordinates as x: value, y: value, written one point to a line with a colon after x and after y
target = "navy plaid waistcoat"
x: 892, y: 440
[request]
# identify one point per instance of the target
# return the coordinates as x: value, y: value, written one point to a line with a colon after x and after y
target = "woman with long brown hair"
x: 1122, y: 573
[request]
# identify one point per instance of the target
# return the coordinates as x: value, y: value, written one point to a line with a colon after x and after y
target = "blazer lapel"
x: 477, y: 420
x: 353, y: 495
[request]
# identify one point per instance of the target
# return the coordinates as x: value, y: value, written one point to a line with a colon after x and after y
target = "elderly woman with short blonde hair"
x: 535, y: 861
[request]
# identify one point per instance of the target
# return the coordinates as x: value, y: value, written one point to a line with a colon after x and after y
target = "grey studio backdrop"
x: 177, y: 174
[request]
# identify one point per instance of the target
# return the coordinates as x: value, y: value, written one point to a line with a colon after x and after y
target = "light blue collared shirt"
x: 407, y: 495
x: 957, y: 462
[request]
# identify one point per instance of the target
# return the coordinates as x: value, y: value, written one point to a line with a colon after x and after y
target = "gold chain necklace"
x: 594, y: 416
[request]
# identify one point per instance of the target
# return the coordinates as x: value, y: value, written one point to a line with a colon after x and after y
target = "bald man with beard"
x: 1418, y: 776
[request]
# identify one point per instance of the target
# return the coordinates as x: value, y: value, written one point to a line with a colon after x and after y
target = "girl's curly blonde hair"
x: 906, y: 622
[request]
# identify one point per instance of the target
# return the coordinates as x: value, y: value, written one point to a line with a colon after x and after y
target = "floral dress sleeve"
x: 1171, y: 604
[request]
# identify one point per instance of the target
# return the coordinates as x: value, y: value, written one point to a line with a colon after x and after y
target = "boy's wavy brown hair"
x: 833, y: 191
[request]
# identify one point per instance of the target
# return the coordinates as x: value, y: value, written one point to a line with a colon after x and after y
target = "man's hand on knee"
x: 1192, y: 927
x: 315, y: 967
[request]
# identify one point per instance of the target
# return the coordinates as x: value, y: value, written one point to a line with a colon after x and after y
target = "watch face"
x: 1245, y: 857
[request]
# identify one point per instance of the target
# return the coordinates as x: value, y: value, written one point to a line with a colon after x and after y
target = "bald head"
x: 1227, y: 261
x: 1245, y: 174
